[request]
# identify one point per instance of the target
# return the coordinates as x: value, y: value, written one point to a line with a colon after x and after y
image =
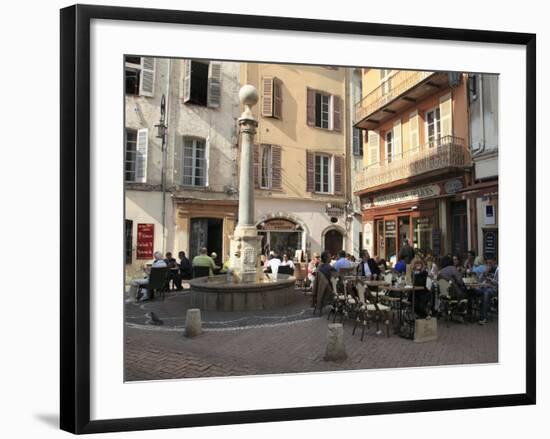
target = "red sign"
x: 145, y: 240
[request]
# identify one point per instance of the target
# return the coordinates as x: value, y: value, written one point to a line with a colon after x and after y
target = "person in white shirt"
x: 137, y: 283
x: 287, y: 262
x: 274, y: 263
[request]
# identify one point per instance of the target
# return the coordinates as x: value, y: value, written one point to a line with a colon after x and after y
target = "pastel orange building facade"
x: 416, y: 161
x: 300, y: 157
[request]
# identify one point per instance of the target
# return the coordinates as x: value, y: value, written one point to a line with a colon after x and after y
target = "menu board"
x: 145, y: 240
x: 490, y: 242
x: 390, y: 229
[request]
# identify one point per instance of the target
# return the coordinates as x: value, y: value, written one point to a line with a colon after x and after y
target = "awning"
x: 478, y: 190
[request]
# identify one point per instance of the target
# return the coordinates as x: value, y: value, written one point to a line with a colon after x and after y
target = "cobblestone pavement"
x: 283, y: 341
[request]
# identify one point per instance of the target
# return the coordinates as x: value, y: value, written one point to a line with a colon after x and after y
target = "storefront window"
x: 391, y: 240
x: 281, y: 236
x: 422, y: 233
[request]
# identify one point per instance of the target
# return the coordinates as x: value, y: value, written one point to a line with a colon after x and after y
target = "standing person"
x: 312, y: 267
x: 406, y: 253
x: 186, y: 269
x: 137, y: 283
x: 367, y: 266
x: 203, y: 260
x: 342, y: 261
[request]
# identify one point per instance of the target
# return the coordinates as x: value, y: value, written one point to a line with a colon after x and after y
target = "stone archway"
x: 333, y: 239
x: 300, y: 226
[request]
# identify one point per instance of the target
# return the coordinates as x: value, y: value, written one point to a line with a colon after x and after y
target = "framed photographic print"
x: 260, y: 210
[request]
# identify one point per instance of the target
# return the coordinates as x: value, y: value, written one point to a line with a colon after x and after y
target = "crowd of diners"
x: 415, y: 267
x: 411, y: 265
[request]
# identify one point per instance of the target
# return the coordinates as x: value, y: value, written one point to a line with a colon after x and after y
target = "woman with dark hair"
x: 422, y: 297
x: 324, y: 266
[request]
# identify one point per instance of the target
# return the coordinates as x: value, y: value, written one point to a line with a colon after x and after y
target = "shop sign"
x: 490, y: 244
x: 278, y: 224
x: 453, y: 186
x: 145, y: 241
x: 334, y: 210
x: 427, y: 191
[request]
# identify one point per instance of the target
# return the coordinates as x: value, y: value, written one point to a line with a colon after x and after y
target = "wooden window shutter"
x: 177, y: 173
x: 357, y: 142
x: 413, y: 131
x: 276, y: 177
x: 374, y: 148
x: 310, y: 107
x: 141, y: 155
x: 338, y: 174
x: 446, y: 114
x: 336, y: 113
x: 397, y: 144
x: 267, y: 96
x: 256, y: 167
x: 147, y: 81
x: 186, y: 80
x: 310, y: 171
x: 277, y: 98
x: 214, y: 84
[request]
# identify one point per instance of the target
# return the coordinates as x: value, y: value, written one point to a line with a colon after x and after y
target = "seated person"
x: 368, y: 266
x: 137, y: 283
x: 421, y: 298
x: 490, y: 277
x: 173, y: 275
x: 203, y: 260
x: 325, y: 266
x: 381, y: 263
x: 342, y: 261
x: 450, y: 273
x: 401, y: 267
x: 479, y: 267
x: 273, y: 263
x: 186, y: 269
x: 287, y: 262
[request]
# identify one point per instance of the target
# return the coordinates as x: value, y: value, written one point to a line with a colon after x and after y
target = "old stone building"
x: 185, y: 195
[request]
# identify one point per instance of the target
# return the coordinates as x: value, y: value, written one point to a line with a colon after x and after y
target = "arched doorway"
x: 333, y: 241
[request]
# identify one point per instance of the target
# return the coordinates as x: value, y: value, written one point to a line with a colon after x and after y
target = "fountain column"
x: 245, y: 241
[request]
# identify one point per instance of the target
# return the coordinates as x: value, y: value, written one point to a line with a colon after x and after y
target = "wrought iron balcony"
x: 401, y: 90
x: 441, y: 155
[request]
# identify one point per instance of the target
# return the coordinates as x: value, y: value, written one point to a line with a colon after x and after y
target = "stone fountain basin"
x: 215, y: 293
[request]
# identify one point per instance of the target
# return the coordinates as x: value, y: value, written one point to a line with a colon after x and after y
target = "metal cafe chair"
x: 201, y: 272
x: 285, y: 269
x: 448, y: 301
x: 369, y: 311
x: 157, y: 282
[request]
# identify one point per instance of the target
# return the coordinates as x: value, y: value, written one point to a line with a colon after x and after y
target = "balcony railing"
x: 397, y: 84
x: 445, y: 152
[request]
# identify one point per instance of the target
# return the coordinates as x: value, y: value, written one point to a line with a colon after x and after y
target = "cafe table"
x: 403, y: 289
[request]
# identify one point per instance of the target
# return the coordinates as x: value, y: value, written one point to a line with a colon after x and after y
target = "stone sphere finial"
x: 248, y: 95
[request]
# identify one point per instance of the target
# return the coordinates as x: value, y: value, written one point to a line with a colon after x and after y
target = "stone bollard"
x: 336, y: 349
x: 193, y: 324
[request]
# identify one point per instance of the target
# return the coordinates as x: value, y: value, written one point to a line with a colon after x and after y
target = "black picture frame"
x: 75, y: 217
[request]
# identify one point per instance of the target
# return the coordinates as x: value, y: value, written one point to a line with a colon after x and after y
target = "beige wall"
x: 291, y: 132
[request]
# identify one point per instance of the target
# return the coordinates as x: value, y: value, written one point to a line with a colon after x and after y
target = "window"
x: 128, y: 228
x: 135, y: 156
x: 194, y: 162
x: 265, y: 174
x: 323, y: 110
x: 130, y: 156
x: 389, y: 146
x: 272, y: 97
x: 322, y: 173
x: 433, y: 126
x: 385, y: 80
x: 357, y: 142
x: 139, y: 75
x: 202, y: 83
x: 322, y: 104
